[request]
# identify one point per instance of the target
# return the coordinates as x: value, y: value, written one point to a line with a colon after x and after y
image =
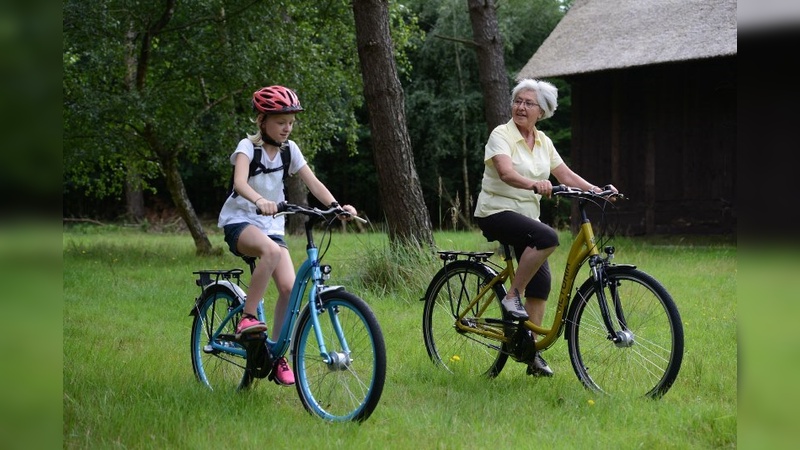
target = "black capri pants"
x: 518, y: 231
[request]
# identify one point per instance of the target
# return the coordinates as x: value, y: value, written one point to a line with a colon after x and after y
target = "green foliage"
x: 444, y: 99
x: 193, y: 100
x: 131, y: 95
x: 386, y: 269
x: 525, y: 24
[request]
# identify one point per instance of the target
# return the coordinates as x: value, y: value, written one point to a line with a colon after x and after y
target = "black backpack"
x: 256, y: 167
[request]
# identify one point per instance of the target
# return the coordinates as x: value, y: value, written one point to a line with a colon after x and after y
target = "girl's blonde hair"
x: 257, y: 139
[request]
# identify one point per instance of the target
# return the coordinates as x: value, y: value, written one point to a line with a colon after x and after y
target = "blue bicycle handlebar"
x: 290, y: 208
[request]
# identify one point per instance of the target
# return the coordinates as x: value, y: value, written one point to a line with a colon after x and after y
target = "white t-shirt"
x: 268, y: 185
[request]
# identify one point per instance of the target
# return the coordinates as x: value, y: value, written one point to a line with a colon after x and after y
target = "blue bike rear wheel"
x: 217, y: 362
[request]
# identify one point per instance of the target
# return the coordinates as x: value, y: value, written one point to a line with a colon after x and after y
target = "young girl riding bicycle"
x: 247, y: 215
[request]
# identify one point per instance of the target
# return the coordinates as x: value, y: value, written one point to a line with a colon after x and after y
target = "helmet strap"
x: 270, y: 141
x: 265, y: 137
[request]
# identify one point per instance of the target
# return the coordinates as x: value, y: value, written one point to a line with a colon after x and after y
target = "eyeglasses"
x: 527, y: 104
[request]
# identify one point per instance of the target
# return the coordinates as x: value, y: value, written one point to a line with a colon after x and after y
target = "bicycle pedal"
x: 523, y: 346
x: 250, y: 337
x: 259, y: 358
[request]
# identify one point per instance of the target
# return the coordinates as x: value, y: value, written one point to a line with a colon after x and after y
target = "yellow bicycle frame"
x: 583, y: 247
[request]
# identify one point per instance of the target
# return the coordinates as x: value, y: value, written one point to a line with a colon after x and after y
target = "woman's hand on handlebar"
x: 608, y: 191
x: 610, y: 187
x: 542, y: 187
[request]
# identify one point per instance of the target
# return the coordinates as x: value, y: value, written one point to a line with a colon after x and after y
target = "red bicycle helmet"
x: 276, y: 100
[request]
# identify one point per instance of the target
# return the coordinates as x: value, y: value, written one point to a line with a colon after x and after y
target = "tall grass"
x: 128, y: 382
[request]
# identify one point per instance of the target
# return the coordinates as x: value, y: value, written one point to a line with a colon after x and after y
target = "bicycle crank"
x: 259, y: 358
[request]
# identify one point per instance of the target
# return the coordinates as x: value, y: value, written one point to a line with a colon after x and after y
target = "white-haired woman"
x: 518, y: 162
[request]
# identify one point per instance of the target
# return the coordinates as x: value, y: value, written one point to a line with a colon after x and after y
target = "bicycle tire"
x: 651, y: 364
x: 216, y: 367
x: 350, y: 387
x: 450, y: 290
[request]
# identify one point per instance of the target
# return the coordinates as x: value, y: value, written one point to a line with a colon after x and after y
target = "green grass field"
x: 128, y: 381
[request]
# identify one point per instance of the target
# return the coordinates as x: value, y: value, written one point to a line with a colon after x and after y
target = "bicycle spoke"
x: 456, y: 350
x: 349, y: 385
x: 647, y: 360
x: 223, y: 366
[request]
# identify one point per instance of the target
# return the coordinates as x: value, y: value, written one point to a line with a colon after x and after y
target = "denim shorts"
x: 234, y: 230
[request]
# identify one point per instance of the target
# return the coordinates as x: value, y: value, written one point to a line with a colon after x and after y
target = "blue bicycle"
x: 338, y: 352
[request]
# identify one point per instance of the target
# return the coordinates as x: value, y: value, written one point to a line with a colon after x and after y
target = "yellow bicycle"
x: 624, y: 332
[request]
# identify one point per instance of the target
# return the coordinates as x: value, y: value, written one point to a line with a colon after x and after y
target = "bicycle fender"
x: 326, y: 289
x: 219, y: 286
x: 488, y: 273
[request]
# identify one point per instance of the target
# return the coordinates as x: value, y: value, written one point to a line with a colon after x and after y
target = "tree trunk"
x: 177, y: 190
x: 491, y: 63
x: 400, y: 189
x: 466, y: 213
x: 134, y: 197
x: 297, y: 193
x: 167, y: 159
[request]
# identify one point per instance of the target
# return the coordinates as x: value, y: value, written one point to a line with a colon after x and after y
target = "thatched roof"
x: 598, y: 35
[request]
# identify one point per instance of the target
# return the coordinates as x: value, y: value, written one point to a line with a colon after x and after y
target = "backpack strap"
x: 256, y: 167
x: 286, y: 159
x: 255, y: 164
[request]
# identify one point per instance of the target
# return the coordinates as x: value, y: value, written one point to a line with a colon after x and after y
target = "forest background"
x: 194, y: 100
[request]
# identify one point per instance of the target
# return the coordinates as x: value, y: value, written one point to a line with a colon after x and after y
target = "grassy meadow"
x: 128, y: 381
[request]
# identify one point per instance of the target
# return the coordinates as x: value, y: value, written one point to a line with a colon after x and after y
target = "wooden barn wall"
x: 666, y: 137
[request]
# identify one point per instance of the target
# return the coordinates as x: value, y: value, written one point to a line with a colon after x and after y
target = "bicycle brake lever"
x: 342, y: 212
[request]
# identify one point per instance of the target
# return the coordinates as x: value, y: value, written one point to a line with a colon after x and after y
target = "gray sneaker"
x: 539, y: 368
x: 514, y: 306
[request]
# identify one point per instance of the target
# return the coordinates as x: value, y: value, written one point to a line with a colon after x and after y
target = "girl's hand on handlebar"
x: 266, y: 207
x: 351, y: 212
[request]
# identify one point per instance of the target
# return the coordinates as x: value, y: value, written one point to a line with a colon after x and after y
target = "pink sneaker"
x: 282, y: 373
x: 250, y: 324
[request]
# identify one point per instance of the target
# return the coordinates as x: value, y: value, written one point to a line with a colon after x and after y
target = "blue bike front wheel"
x: 345, y: 384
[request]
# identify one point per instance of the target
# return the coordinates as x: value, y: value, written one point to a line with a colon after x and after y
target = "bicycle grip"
x: 282, y: 207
